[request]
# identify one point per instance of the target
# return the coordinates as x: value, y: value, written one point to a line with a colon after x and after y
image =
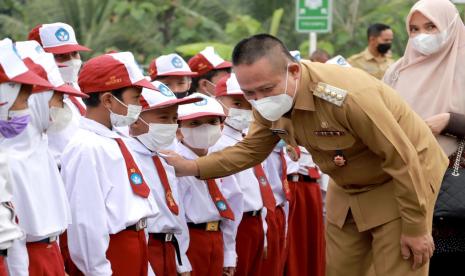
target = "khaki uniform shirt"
x: 375, y: 66
x: 394, y: 164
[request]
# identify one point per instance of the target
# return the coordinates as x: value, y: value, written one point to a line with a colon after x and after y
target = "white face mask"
x: 428, y: 44
x: 274, y: 107
x: 132, y: 115
x: 60, y: 118
x: 201, y: 137
x: 71, y: 71
x: 239, y: 119
x: 159, y: 136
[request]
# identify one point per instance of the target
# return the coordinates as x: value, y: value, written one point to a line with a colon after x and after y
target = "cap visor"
x: 69, y: 90
x: 31, y: 78
x: 224, y: 65
x: 178, y: 73
x: 145, y: 84
x: 174, y: 102
x: 63, y: 49
x: 200, y: 115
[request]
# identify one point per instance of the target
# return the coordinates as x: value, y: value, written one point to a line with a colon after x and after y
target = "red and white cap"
x: 162, y: 98
x: 13, y: 69
x: 169, y: 65
x: 207, y: 60
x: 208, y: 106
x: 56, y: 38
x: 44, y: 65
x: 111, y: 71
x: 228, y: 86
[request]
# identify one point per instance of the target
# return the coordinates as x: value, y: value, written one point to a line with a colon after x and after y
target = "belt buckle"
x: 212, y: 226
x: 168, y: 237
x: 141, y: 224
x: 295, y: 178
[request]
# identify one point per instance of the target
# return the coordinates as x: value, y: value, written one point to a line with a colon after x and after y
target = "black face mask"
x: 181, y: 95
x: 383, y: 48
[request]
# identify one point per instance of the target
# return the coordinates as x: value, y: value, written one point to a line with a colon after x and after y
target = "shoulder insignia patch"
x: 330, y: 93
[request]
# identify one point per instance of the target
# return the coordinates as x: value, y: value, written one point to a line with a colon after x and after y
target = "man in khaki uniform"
x: 376, y: 58
x: 384, y: 160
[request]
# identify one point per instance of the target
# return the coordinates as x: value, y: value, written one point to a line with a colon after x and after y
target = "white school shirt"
x: 246, y: 179
x: 39, y: 196
x: 9, y: 230
x: 273, y: 170
x: 200, y: 208
x: 101, y: 198
x: 165, y: 221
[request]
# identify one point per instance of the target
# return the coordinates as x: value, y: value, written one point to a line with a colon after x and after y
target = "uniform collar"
x: 232, y: 133
x: 97, y: 128
x: 304, y: 94
x: 367, y: 55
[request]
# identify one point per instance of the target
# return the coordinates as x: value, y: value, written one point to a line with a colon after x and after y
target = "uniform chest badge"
x: 136, y: 179
x: 330, y: 93
x: 221, y: 205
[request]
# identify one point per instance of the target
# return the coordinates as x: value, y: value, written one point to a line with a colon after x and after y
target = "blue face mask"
x: 281, y: 144
x: 13, y: 127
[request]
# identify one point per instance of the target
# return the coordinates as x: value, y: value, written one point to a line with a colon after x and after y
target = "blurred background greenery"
x: 151, y: 28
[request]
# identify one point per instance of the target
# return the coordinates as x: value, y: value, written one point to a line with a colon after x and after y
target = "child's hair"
x: 94, y: 98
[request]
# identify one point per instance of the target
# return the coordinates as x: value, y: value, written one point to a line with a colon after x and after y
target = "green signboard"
x: 313, y: 16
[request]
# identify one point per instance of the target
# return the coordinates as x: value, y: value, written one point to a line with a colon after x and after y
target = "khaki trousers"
x: 350, y: 252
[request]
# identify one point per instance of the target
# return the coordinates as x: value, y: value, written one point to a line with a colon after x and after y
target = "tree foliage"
x: 150, y: 28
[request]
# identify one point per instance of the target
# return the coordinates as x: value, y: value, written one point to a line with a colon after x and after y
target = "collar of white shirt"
x: 97, y: 128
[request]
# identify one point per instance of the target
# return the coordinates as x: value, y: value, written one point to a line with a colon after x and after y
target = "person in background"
x: 376, y: 58
x: 213, y: 207
x: 210, y: 68
x: 434, y: 59
x: 306, y: 243
x: 153, y: 131
x: 255, y: 187
x: 174, y: 72
x: 320, y: 55
x: 60, y: 40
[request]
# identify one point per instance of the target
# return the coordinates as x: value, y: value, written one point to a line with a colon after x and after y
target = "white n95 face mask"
x: 159, y: 136
x: 60, y: 118
x: 131, y: 116
x: 239, y: 119
x: 274, y: 107
x: 428, y: 44
x: 71, y: 71
x: 201, y: 137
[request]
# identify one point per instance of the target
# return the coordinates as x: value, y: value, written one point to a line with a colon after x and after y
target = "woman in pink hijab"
x: 431, y: 78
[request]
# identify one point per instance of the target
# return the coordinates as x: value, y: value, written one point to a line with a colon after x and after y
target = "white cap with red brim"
x: 48, y: 69
x: 162, y: 98
x: 13, y: 69
x: 208, y: 106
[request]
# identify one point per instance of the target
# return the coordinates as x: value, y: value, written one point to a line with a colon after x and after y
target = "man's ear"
x: 106, y: 99
x: 294, y: 70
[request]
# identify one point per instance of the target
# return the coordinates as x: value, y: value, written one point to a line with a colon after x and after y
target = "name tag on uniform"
x: 329, y: 133
x: 278, y: 131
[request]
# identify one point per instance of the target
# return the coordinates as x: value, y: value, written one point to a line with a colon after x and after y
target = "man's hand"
x: 229, y: 271
x: 438, y: 123
x: 420, y: 248
x: 183, y: 167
